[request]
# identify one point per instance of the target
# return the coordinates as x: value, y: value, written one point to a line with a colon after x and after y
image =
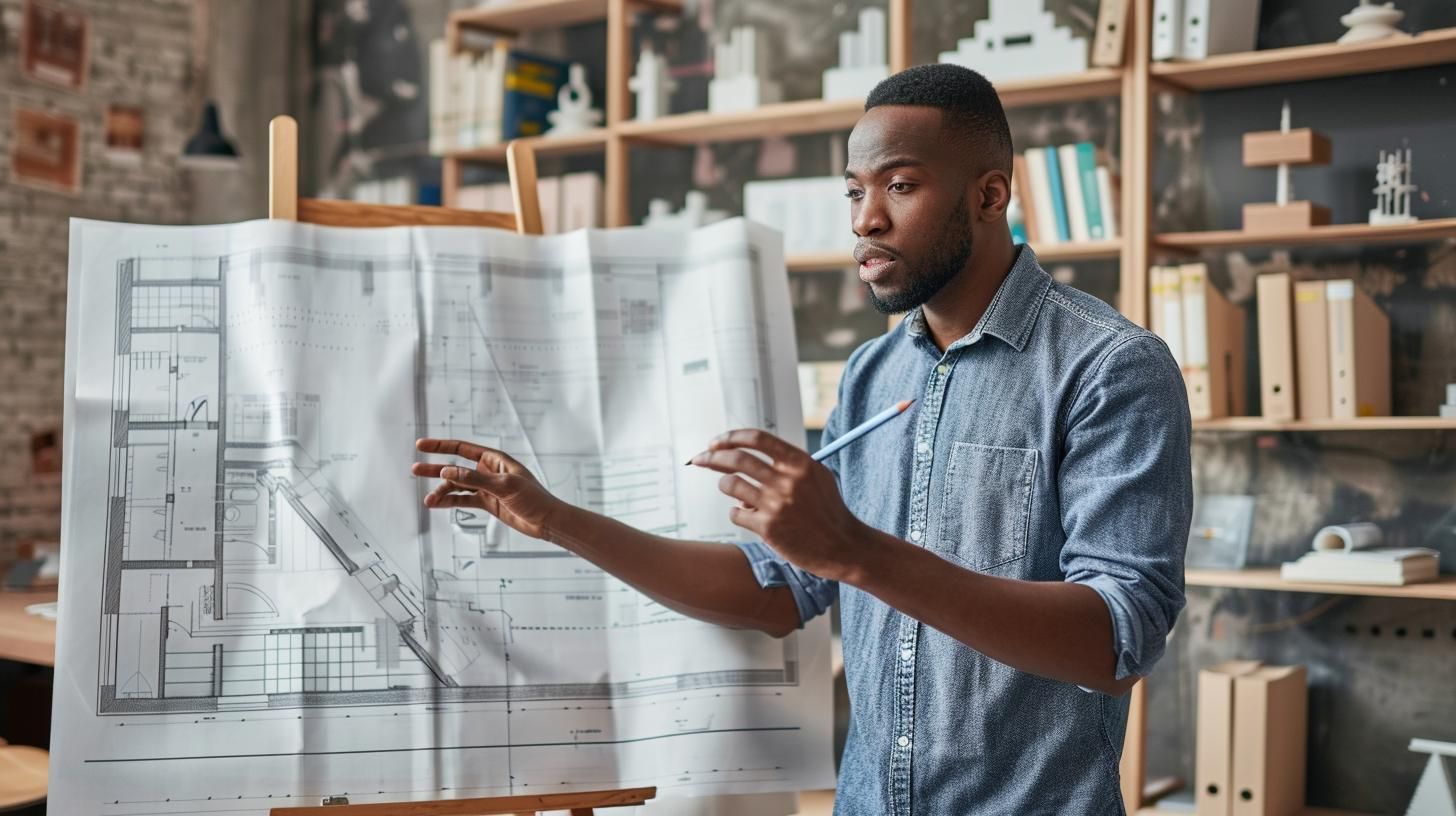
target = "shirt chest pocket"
x: 986, y: 510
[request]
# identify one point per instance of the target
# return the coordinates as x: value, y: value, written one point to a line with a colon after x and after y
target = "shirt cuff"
x: 1134, y: 651
x: 812, y: 595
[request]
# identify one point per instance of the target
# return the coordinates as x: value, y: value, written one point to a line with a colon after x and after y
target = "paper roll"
x: 1348, y: 537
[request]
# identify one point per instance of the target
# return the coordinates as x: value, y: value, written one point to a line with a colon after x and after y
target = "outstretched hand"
x: 493, y: 482
x: 792, y: 502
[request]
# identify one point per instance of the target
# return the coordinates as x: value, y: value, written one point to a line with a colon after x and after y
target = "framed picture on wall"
x: 54, y: 42
x: 125, y: 129
x: 46, y: 151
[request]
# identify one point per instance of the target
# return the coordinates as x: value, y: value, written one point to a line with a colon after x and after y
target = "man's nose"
x: 869, y: 217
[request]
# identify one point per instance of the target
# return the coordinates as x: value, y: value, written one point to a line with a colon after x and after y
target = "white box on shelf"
x: 862, y: 63
x: 1020, y: 40
x: 1451, y: 394
x: 812, y: 213
x: 1448, y: 411
x: 742, y: 93
x: 853, y: 83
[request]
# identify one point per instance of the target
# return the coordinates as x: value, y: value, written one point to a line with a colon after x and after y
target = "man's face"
x: 909, y: 191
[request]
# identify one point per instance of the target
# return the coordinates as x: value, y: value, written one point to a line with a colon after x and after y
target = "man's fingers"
x: 489, y: 459
x: 762, y: 441
x: 473, y: 479
x: 740, y: 489
x: 750, y: 520
x: 738, y: 461
x: 456, y: 500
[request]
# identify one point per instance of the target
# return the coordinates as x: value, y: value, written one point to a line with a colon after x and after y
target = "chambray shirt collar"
x: 1013, y: 311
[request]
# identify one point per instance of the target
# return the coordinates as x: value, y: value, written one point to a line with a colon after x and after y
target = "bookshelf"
x: 1135, y: 85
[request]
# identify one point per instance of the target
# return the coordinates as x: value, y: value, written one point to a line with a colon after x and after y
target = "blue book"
x: 1059, y: 200
x: 530, y: 93
x: 1091, y: 199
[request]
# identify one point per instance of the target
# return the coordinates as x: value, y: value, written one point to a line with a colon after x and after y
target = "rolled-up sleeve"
x: 812, y: 594
x: 1126, y: 490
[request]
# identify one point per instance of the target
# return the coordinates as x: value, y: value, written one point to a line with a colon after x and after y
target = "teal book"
x: 1059, y: 199
x: 1091, y: 200
x: 532, y: 83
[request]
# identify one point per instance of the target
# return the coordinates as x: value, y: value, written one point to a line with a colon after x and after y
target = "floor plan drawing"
x: 263, y: 607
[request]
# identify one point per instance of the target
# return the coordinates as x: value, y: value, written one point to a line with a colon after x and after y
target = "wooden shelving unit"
x: 1435, y: 229
x: 592, y: 141
x: 1052, y: 253
x: 526, y: 15
x: 1319, y: 425
x: 1135, y: 85
x: 1306, y: 62
x: 1267, y: 578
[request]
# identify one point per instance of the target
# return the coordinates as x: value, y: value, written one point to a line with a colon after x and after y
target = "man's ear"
x: 993, y: 194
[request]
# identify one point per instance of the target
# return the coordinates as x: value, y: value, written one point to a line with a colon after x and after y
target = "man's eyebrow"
x: 891, y: 163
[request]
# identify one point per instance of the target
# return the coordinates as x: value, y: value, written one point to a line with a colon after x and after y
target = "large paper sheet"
x: 256, y: 609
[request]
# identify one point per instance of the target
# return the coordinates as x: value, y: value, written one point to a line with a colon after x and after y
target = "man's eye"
x: 853, y: 195
x: 901, y: 187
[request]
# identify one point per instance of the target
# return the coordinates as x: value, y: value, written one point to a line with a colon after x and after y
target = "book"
x: 1107, y: 191
x: 1387, y: 566
x: 1072, y: 192
x: 1091, y: 191
x: 1021, y: 181
x: 1109, y: 42
x: 1311, y: 350
x: 1167, y: 29
x: 1212, y: 27
x: 1046, y: 220
x: 1276, y: 347
x: 531, y: 85
x: 1359, y: 343
x: 1057, y: 194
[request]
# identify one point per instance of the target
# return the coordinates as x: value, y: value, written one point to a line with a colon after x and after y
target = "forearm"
x: 704, y: 580
x: 1053, y: 629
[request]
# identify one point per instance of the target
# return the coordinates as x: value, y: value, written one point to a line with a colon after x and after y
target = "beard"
x: 948, y: 256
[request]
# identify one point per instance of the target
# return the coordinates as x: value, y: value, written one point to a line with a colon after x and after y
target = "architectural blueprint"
x: 257, y: 610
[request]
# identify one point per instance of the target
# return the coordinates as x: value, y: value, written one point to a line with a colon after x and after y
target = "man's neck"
x: 957, y: 308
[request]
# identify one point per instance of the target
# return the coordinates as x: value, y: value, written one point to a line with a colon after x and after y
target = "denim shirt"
x: 1049, y: 444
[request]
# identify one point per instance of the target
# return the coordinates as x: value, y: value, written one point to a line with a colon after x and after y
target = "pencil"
x: 864, y: 427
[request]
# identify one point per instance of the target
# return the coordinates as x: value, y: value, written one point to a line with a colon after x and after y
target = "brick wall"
x: 140, y: 55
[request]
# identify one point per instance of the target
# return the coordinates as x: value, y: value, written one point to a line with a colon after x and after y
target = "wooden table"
x: 23, y: 637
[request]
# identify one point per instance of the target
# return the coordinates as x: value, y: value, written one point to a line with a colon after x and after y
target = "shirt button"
x: 902, y: 741
x: 923, y: 448
x: 914, y: 535
x: 943, y: 368
x: 906, y: 654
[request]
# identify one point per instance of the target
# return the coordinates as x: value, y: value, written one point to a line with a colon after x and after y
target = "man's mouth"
x: 874, y: 263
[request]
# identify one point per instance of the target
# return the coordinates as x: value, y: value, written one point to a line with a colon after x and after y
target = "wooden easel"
x: 284, y: 203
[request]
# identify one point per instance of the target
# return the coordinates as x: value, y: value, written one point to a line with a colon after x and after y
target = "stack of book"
x: 479, y: 99
x: 1063, y: 194
x: 1385, y: 566
x: 1205, y: 332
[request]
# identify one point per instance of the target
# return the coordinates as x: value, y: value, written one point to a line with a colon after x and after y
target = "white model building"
x: 862, y: 61
x: 1020, y: 40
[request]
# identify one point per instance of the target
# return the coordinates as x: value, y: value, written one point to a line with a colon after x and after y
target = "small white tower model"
x: 739, y: 66
x: 1020, y: 40
x: 573, y: 112
x: 652, y: 85
x: 1393, y: 189
x: 862, y: 62
x: 1368, y: 21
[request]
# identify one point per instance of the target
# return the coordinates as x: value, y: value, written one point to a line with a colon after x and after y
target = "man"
x: 1008, y: 554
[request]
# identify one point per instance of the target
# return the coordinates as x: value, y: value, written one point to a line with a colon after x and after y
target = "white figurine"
x: 862, y: 62
x: 740, y: 69
x: 653, y: 86
x: 573, y: 112
x: 1393, y: 189
x: 1020, y: 40
x: 694, y: 214
x: 1368, y: 21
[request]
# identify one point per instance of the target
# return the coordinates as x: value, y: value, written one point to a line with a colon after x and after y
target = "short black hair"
x: 967, y: 101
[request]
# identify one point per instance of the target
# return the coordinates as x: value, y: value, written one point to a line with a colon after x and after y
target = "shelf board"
x: 1052, y: 253
x: 1309, y: 811
x: 526, y: 15
x: 1442, y: 589
x: 1430, y: 230
x: 782, y: 119
x: 589, y: 141
x: 819, y: 116
x: 1092, y: 83
x: 1305, y: 62
x: 1399, y: 423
